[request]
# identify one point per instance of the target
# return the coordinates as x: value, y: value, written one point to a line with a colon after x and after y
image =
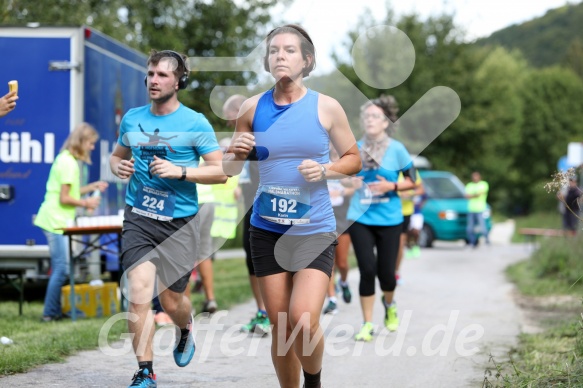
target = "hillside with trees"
x: 555, y: 38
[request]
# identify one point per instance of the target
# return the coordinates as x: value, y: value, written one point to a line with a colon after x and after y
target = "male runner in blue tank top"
x: 293, y: 230
x: 160, y: 230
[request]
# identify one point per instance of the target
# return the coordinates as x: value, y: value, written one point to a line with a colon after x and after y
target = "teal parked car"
x: 445, y: 210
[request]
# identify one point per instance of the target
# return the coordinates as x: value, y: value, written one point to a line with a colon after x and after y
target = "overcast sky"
x: 327, y: 21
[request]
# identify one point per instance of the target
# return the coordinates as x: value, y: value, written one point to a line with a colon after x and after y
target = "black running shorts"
x: 172, y: 246
x: 274, y: 253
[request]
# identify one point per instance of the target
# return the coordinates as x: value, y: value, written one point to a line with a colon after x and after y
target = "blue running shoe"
x: 346, y: 294
x: 184, y: 351
x: 144, y: 379
x: 331, y: 308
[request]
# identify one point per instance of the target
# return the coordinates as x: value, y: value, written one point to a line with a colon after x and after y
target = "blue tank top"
x: 285, y: 135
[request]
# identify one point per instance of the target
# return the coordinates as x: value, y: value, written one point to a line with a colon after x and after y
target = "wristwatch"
x: 323, y: 172
x: 183, y: 177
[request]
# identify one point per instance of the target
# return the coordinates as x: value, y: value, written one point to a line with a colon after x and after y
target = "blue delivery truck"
x: 66, y: 75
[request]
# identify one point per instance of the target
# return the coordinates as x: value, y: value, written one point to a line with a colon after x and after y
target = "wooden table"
x: 76, y: 234
x: 531, y: 234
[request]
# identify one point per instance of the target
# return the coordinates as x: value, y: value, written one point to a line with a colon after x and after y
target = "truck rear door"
x: 45, y: 63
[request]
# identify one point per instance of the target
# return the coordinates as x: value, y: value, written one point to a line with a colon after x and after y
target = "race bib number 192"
x: 284, y: 205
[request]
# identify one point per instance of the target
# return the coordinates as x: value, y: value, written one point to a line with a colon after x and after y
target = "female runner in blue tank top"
x: 375, y: 209
x: 293, y: 226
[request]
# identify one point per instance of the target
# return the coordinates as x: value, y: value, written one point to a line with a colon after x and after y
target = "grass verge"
x: 553, y: 356
x: 555, y: 268
x: 37, y: 343
x: 548, y: 359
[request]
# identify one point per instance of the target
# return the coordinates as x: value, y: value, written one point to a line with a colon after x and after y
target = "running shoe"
x: 184, y: 351
x: 143, y: 379
x: 331, y: 308
x: 197, y: 286
x: 262, y: 324
x: 248, y: 328
x: 365, y: 333
x: 346, y: 294
x: 415, y: 251
x: 162, y: 319
x: 391, y: 319
x: 258, y: 324
x: 209, y: 306
x: 409, y: 254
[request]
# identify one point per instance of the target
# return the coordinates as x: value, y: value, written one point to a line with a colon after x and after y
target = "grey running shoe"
x: 331, y: 308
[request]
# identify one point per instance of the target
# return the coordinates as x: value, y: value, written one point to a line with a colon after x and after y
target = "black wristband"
x: 183, y: 177
x: 396, y: 187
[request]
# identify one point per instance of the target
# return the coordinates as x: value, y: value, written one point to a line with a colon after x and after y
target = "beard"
x: 164, y: 97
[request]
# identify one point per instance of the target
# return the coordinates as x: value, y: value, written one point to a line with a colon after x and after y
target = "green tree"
x: 491, y: 123
x: 552, y: 118
x: 441, y: 59
x: 514, y: 124
x: 121, y: 19
x: 221, y: 29
x: 574, y: 57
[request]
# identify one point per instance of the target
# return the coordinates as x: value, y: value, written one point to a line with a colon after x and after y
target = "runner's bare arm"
x: 243, y: 140
x: 120, y: 163
x: 334, y: 119
x: 210, y: 172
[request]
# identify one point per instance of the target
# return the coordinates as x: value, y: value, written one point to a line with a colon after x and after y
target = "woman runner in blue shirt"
x: 376, y: 211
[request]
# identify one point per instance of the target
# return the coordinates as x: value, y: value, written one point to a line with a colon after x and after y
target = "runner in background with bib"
x: 376, y: 211
x: 412, y: 218
x: 340, y: 198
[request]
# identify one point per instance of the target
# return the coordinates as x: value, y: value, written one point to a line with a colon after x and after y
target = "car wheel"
x: 426, y: 237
